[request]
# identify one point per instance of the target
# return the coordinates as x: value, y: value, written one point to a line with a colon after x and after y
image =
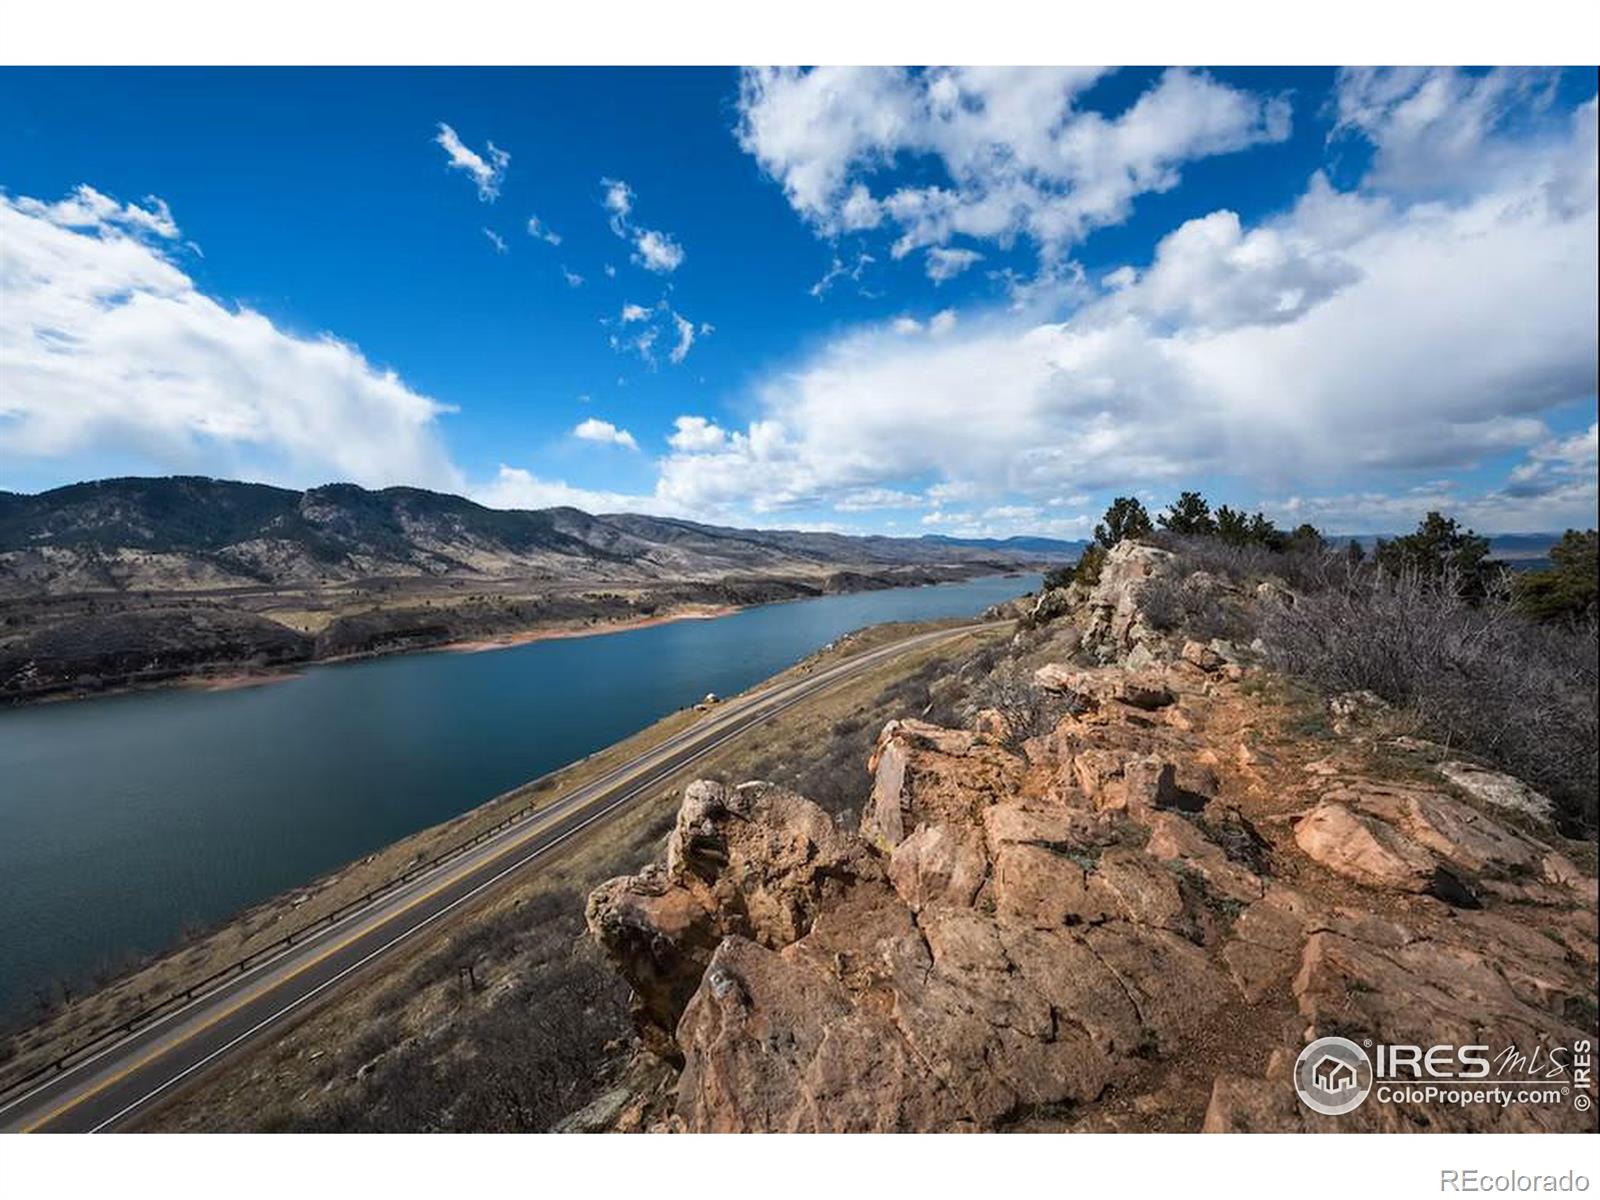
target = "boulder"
x: 1198, y: 654
x: 1368, y: 851
x: 1500, y: 791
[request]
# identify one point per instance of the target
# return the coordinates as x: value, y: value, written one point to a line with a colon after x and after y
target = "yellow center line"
x: 543, y: 822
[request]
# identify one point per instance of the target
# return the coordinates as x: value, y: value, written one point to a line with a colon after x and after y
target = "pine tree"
x: 1189, y: 516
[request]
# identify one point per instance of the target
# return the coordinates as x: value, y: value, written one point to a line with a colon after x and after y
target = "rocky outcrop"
x: 1114, y: 621
x: 1133, y: 920
x: 752, y: 861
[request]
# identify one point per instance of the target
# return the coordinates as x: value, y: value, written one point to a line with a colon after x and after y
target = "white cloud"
x: 1568, y: 502
x: 538, y: 229
x: 686, y: 335
x: 1437, y: 131
x: 871, y: 499
x: 656, y: 251
x: 593, y: 429
x: 1554, y: 466
x: 943, y: 263
x: 495, y: 240
x: 618, y: 202
x: 574, y: 280
x: 85, y: 208
x: 1209, y: 274
x: 487, y: 174
x: 107, y: 348
x: 653, y: 250
x: 658, y: 321
x: 1019, y: 157
x: 837, y: 271
x: 941, y: 323
x: 1003, y: 521
x: 517, y: 488
x: 696, y: 435
x: 1361, y: 333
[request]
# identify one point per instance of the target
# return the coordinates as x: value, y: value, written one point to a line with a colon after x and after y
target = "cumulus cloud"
x: 108, y: 347
x: 1364, y: 332
x: 635, y: 312
x: 518, y: 488
x: 1209, y: 274
x: 488, y: 173
x: 1018, y: 155
x: 656, y: 251
x: 595, y: 430
x: 695, y: 435
x: 574, y: 280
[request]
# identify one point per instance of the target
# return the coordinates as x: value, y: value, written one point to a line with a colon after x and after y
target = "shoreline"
x: 227, y: 677
x: 705, y: 612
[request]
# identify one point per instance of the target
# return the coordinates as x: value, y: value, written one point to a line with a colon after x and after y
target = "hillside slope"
x: 1113, y: 879
x: 191, y: 533
x: 135, y: 581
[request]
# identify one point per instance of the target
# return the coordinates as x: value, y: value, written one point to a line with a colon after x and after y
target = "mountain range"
x: 194, y: 533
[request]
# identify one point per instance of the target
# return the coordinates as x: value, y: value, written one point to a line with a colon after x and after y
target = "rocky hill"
x: 187, y: 533
x: 1119, y: 887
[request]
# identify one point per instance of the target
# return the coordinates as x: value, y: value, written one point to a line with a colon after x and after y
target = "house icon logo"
x: 1332, y: 1076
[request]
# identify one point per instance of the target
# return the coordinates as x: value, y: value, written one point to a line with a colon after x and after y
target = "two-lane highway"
x: 111, y: 1087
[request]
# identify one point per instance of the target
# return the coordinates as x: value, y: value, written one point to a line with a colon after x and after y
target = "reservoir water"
x: 126, y: 819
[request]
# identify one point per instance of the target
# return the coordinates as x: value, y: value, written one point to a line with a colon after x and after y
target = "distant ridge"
x: 193, y: 532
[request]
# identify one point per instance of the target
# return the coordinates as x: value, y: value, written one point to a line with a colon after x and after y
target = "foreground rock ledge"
x: 1134, y: 921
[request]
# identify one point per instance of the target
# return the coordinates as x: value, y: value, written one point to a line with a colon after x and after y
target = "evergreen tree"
x: 1233, y: 527
x: 1567, y: 589
x: 1263, y: 532
x: 1126, y: 518
x: 1440, y: 548
x: 1308, y: 539
x: 1189, y: 516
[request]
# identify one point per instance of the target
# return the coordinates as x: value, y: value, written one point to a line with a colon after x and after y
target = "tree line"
x: 1439, y: 550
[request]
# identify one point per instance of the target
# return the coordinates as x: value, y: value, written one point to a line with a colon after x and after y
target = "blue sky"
x: 965, y: 302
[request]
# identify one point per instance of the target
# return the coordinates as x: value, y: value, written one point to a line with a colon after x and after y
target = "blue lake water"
x: 126, y: 819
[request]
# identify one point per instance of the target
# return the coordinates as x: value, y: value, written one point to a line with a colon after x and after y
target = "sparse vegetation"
x: 1493, y: 664
x: 1475, y: 675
